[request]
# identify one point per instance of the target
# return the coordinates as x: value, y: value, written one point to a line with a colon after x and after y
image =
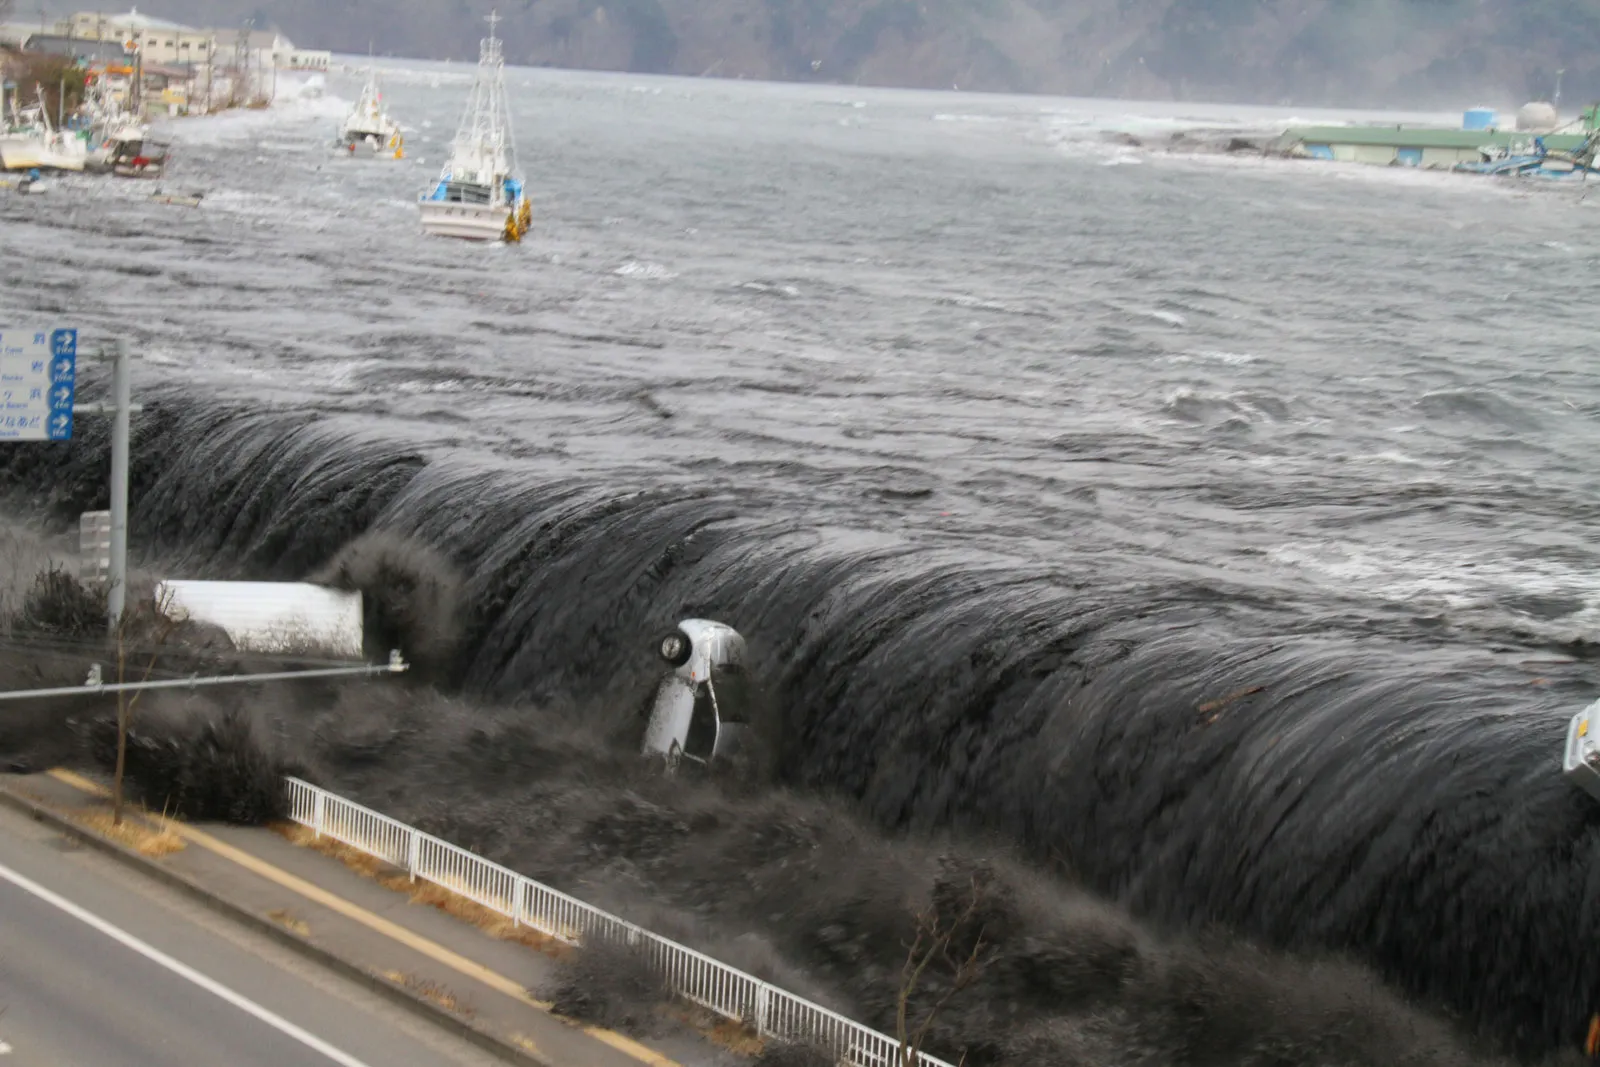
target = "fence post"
x: 762, y: 1006
x: 518, y: 884
x: 316, y: 812
x: 413, y: 850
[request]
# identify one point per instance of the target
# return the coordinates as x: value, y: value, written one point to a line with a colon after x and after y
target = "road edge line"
x: 415, y: 1003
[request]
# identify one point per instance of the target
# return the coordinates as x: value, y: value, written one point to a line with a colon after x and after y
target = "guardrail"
x: 770, y: 1011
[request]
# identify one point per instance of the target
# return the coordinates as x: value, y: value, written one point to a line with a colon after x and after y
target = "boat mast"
x: 484, y: 130
x: 370, y: 93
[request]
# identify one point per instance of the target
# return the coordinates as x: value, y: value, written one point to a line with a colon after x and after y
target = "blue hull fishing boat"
x: 479, y: 194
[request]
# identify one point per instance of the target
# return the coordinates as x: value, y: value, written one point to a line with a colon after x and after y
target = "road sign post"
x: 120, y: 409
x: 38, y: 381
x: 38, y: 387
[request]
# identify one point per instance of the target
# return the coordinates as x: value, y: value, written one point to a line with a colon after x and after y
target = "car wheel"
x: 675, y: 648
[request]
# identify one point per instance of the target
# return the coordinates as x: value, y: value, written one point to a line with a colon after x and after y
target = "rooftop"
x: 15, y: 33
x: 257, y: 39
x: 132, y: 21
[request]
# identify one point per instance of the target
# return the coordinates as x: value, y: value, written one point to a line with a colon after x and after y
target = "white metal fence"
x: 696, y: 977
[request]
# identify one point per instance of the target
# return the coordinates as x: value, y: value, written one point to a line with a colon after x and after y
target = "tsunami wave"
x: 1204, y: 763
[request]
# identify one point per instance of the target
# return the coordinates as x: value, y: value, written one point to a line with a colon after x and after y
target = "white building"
x: 173, y: 44
x: 16, y: 34
x: 158, y: 40
x: 271, y: 48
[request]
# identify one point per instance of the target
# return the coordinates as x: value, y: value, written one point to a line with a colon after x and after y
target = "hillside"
x: 1343, y: 52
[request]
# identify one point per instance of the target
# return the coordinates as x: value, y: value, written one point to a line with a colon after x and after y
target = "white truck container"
x: 271, y: 617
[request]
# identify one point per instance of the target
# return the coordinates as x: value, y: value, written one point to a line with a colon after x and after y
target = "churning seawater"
x: 1224, y: 523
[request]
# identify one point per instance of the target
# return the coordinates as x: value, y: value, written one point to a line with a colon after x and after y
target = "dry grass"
x: 387, y: 875
x: 287, y: 918
x: 433, y: 991
x: 355, y: 859
x: 731, y: 1034
x: 525, y: 1043
x: 133, y: 832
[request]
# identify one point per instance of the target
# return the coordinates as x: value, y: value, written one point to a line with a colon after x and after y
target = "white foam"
x: 637, y: 269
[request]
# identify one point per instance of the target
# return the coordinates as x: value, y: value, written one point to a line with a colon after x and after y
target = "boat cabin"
x: 452, y: 192
x: 139, y: 159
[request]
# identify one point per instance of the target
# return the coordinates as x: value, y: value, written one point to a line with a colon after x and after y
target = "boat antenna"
x: 484, y: 123
x: 502, y: 116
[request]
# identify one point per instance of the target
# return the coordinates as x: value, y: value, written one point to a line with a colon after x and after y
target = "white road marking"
x: 243, y: 1003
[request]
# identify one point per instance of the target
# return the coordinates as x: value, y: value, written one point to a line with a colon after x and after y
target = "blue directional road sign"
x: 38, y: 382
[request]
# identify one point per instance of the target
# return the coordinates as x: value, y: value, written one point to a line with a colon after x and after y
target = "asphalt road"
x: 102, y: 967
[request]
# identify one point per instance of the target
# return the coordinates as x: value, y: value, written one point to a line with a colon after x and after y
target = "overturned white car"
x: 701, y: 711
x: 1581, y: 762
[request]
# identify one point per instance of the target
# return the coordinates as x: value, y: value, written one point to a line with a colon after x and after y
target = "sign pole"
x: 117, y: 578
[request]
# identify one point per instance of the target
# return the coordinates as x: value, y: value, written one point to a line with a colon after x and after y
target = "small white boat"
x: 479, y: 194
x: 368, y: 125
x: 143, y: 158
x: 30, y: 183
x: 22, y: 131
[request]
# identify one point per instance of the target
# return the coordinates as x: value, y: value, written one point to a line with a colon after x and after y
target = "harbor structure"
x: 1439, y: 147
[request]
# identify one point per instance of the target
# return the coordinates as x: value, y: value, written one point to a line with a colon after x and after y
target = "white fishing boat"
x: 115, y: 131
x: 22, y: 134
x: 479, y: 194
x: 30, y: 141
x: 368, y: 125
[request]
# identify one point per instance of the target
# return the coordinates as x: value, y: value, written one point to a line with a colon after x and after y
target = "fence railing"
x: 770, y: 1011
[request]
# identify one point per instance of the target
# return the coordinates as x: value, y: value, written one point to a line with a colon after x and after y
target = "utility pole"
x: 122, y: 390
x: 242, y: 58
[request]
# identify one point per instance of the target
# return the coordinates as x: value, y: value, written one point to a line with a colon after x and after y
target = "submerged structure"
x: 1479, y: 145
x: 479, y: 194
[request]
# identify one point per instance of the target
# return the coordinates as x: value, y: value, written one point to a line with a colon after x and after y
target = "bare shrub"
x: 608, y: 983
x: 202, y: 765
x: 58, y: 605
